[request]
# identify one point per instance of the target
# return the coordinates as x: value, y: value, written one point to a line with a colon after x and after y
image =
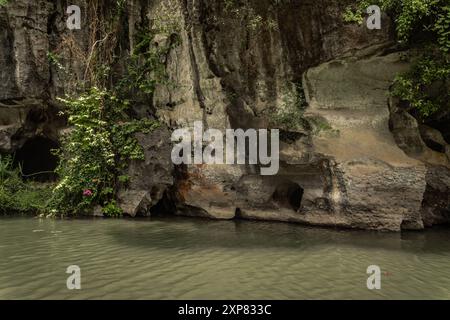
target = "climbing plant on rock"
x: 101, y: 140
x: 423, y: 26
x: 96, y: 150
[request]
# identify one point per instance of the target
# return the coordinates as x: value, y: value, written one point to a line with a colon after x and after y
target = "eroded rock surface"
x: 149, y: 179
x: 354, y: 161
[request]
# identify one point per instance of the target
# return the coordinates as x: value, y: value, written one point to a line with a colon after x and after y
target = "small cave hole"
x: 36, y: 159
x: 165, y: 206
x: 433, y: 145
x: 288, y: 195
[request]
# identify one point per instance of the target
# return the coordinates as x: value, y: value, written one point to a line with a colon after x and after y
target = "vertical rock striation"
x: 237, y: 65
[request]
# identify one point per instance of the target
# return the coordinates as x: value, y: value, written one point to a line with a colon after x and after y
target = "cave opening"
x: 165, y: 206
x: 433, y: 145
x: 288, y: 195
x: 37, y: 160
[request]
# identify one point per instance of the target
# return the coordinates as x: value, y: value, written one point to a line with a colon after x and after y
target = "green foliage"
x: 102, y: 142
x: 254, y: 21
x: 145, y: 66
x: 320, y: 124
x: 426, y: 86
x: 166, y: 19
x: 124, y: 179
x: 3, y: 3
x: 442, y: 28
x: 98, y: 147
x: 54, y: 60
x: 111, y: 209
x: 352, y: 16
x: 120, y: 4
x: 289, y: 115
x: 424, y: 24
x: 411, y: 17
x: 17, y: 196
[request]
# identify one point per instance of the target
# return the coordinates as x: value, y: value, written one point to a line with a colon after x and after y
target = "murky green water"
x: 197, y: 259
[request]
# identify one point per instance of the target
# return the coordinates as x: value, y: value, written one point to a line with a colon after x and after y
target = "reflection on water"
x: 200, y: 259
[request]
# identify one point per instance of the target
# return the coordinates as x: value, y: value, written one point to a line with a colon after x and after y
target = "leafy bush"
x: 111, y: 209
x: 253, y: 20
x: 353, y: 16
x: 425, y: 26
x: 145, y: 66
x: 289, y: 115
x: 17, y: 196
x: 97, y: 149
x: 101, y: 141
x: 425, y: 87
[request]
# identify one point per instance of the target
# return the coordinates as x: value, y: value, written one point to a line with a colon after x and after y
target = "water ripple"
x: 199, y: 259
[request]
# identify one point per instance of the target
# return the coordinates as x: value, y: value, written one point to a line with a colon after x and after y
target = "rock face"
x: 25, y: 74
x: 382, y: 187
x: 436, y: 202
x: 149, y: 179
x: 352, y: 160
x: 427, y: 145
x: 24, y: 38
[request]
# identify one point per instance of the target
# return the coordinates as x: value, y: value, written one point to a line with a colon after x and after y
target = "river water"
x: 175, y: 258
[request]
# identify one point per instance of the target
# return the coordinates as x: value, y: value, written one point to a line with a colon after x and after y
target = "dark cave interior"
x: 37, y: 160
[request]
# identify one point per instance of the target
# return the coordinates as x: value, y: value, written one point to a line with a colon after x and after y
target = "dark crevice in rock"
x: 443, y: 126
x: 165, y: 206
x: 36, y: 159
x: 436, y: 199
x: 171, y: 201
x: 288, y: 195
x: 433, y: 138
x: 190, y: 31
x: 291, y: 136
x: 433, y: 145
x: 422, y: 141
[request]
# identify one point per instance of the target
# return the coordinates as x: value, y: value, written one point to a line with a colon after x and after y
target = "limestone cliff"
x: 353, y: 160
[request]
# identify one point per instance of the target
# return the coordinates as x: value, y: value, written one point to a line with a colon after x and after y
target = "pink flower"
x: 87, y: 193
